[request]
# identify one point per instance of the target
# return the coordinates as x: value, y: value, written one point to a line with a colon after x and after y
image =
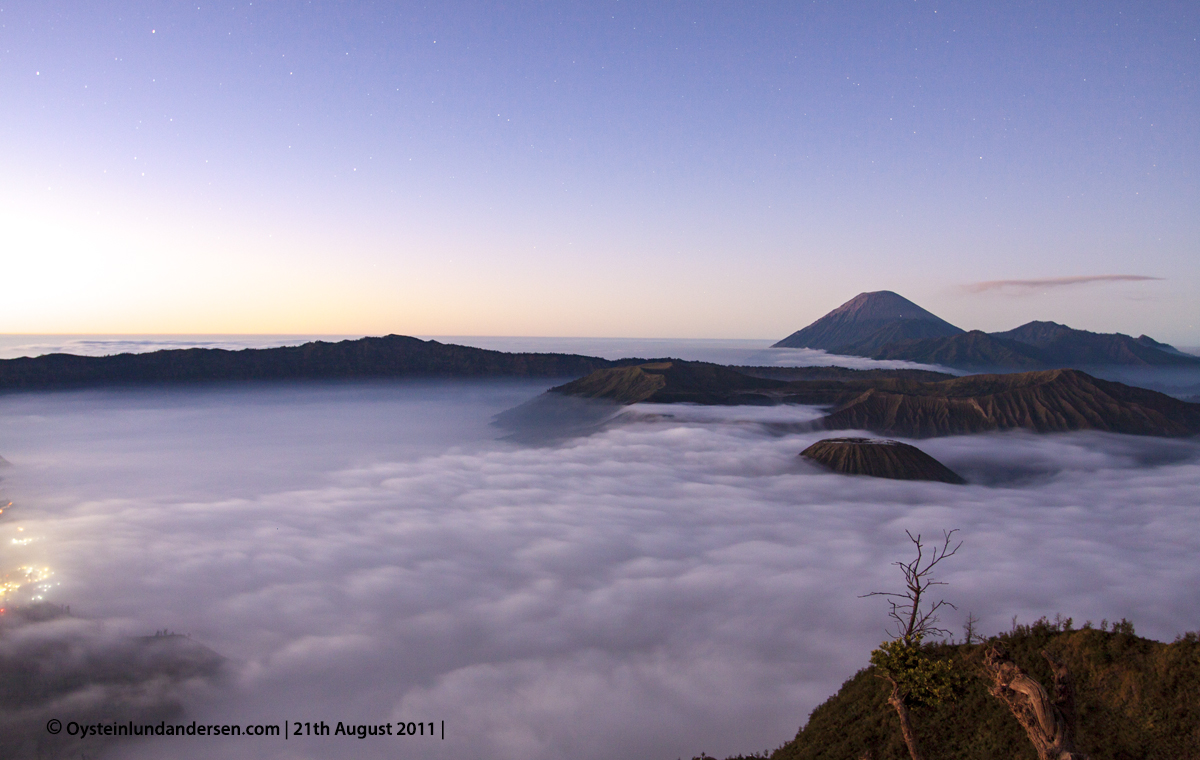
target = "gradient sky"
x: 609, y: 168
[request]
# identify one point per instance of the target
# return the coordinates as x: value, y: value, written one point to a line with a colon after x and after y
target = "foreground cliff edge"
x: 1048, y: 401
x: 1134, y: 698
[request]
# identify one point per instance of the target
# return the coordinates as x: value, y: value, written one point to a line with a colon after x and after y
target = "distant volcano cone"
x: 867, y: 322
x: 880, y: 459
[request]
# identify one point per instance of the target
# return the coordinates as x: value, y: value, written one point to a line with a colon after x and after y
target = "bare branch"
x: 913, y: 616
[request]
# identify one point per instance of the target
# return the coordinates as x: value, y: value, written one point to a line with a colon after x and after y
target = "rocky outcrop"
x: 879, y: 459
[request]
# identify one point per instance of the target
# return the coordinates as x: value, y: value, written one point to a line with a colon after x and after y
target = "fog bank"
x: 677, y: 581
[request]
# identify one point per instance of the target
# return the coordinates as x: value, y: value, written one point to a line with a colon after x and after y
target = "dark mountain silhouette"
x: 970, y: 350
x: 1038, y: 345
x: 867, y: 322
x: 389, y: 356
x: 1066, y: 346
x: 879, y: 459
x: 884, y: 325
x: 1036, y: 333
x: 1146, y: 340
x: 673, y: 381
x: 669, y: 381
x: 1046, y: 401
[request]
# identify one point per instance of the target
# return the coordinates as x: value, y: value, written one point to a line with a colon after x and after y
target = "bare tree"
x: 915, y: 679
x: 970, y: 629
x: 911, y: 619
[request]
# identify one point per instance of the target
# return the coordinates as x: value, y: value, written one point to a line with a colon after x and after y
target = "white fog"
x: 678, y: 581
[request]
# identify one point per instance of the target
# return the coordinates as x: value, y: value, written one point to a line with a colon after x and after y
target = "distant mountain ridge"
x: 384, y: 357
x: 1038, y: 345
x: 884, y: 325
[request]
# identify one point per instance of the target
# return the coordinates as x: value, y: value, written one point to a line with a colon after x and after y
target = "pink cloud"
x: 1053, y: 282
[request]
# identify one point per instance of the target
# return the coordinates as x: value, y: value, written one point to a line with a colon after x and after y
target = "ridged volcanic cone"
x: 880, y: 459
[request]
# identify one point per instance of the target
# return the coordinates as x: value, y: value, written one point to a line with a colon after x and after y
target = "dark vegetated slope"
x: 1096, y: 349
x: 1049, y: 401
x: 889, y: 333
x: 1146, y: 340
x: 1136, y: 700
x: 390, y: 356
x: 1035, y: 333
x: 861, y: 318
x: 1065, y: 346
x: 879, y: 459
x: 1036, y: 345
x: 973, y: 349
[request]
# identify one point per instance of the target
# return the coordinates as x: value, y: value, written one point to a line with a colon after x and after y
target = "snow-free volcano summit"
x: 867, y: 322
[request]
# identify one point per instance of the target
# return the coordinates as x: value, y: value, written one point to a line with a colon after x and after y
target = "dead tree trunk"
x: 896, y: 700
x: 1050, y: 724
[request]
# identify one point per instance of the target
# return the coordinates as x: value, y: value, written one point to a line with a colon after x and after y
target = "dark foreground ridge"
x: 1136, y: 699
x: 386, y: 357
x: 879, y: 459
x: 1049, y: 401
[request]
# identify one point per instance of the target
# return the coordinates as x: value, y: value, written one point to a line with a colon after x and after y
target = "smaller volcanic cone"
x: 880, y: 459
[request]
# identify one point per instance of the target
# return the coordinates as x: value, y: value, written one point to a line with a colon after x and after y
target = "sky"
x: 685, y: 170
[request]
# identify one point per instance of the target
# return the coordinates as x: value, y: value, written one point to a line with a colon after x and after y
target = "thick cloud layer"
x: 678, y: 581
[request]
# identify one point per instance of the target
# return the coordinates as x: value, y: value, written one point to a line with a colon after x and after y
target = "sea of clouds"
x: 677, y: 581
